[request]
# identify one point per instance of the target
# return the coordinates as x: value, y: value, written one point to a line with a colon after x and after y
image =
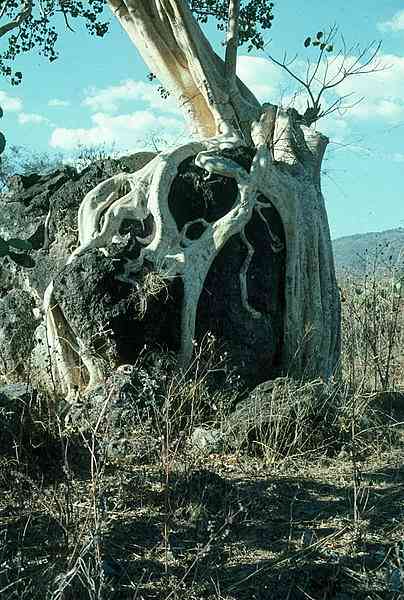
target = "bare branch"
x: 330, y: 73
x: 286, y: 68
x: 232, y: 38
x: 328, y: 40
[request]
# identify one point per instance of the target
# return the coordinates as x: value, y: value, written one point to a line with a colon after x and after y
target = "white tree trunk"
x: 285, y: 169
x: 177, y: 52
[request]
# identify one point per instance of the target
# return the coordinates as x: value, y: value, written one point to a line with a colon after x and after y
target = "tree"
x: 324, y: 74
x: 226, y: 115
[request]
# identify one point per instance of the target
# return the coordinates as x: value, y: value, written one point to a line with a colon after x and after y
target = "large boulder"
x: 286, y: 417
x: 43, y: 209
x: 114, y: 319
x: 17, y: 326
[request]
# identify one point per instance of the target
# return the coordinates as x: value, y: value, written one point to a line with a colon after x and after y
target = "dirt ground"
x: 223, y: 526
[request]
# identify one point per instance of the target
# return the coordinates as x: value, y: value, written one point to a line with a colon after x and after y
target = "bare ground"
x: 226, y: 526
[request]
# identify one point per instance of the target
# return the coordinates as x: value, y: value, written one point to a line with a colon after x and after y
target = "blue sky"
x: 97, y: 92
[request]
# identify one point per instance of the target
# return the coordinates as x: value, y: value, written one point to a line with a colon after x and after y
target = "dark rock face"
x: 253, y: 345
x: 23, y: 211
x: 17, y: 326
x: 107, y: 314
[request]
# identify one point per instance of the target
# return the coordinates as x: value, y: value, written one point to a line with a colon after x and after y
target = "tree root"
x: 172, y: 253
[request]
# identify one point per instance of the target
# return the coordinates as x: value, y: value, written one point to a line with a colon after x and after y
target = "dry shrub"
x: 373, y: 329
x: 149, y: 286
x: 290, y: 419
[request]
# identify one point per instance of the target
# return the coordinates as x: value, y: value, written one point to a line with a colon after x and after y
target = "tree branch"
x: 363, y: 63
x: 232, y: 38
x: 24, y: 14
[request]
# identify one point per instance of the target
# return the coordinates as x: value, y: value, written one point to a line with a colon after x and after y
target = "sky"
x: 98, y: 93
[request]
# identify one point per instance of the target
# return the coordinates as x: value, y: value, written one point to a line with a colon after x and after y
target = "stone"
x: 109, y: 316
x: 43, y: 209
x: 207, y: 441
x: 17, y: 327
x: 122, y: 412
x: 102, y: 308
x: 115, y: 318
x: 274, y: 402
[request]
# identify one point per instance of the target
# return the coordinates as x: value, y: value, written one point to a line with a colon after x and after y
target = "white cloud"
x: 387, y: 110
x: 128, y: 131
x: 382, y: 91
x: 395, y: 24
x: 110, y: 98
x: 55, y: 102
x: 262, y: 77
x: 335, y: 128
x: 33, y: 118
x: 10, y: 103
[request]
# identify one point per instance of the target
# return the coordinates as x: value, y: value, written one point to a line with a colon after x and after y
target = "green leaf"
x: 322, y: 46
x: 2, y: 142
x: 23, y: 260
x: 319, y: 35
x: 1, y: 112
x: 316, y: 43
x: 330, y: 48
x: 20, y: 244
x: 307, y: 42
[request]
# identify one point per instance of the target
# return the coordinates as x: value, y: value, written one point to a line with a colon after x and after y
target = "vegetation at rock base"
x: 299, y: 495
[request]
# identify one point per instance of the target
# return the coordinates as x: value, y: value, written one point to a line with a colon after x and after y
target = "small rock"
x: 17, y: 326
x: 206, y: 440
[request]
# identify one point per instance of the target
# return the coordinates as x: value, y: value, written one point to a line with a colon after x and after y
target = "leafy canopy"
x: 255, y: 16
x: 34, y: 24
x: 31, y: 24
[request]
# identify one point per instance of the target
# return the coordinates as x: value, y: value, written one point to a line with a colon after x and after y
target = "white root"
x: 243, y: 277
x: 136, y: 196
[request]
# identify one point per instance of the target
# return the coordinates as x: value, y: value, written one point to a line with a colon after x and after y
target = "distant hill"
x: 359, y: 253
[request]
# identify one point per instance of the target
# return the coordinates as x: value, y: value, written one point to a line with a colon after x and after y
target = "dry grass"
x: 305, y: 500
x: 149, y: 287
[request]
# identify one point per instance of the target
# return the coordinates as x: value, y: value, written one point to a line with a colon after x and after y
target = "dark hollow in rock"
x: 194, y: 197
x: 253, y: 345
x: 106, y: 315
